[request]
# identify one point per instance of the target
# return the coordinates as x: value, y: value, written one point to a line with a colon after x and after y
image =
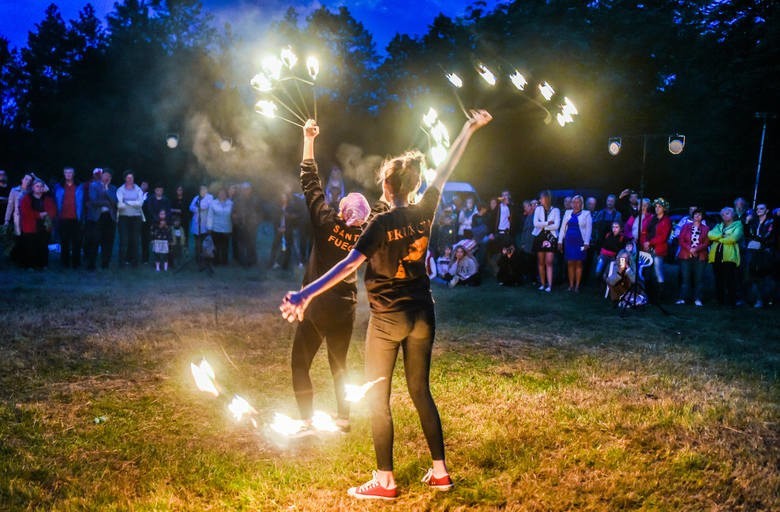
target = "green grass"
x: 548, y: 402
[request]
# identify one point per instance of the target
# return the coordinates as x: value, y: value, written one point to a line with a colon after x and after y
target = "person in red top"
x: 693, y: 257
x: 37, y: 214
x: 657, y: 241
x: 70, y: 205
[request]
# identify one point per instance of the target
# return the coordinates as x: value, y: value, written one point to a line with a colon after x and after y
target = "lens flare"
x: 438, y: 154
x: 313, y: 67
x: 239, y: 408
x: 518, y: 80
x: 486, y: 74
x: 430, y: 175
x: 204, y: 377
x: 288, y: 57
x: 266, y: 108
x: 261, y: 83
x: 286, y: 426
x: 272, y: 67
x: 440, y: 134
x: 455, y: 80
x: 354, y: 393
x: 546, y: 90
x: 323, y: 422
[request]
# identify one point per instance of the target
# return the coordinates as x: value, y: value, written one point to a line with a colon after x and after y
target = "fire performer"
x: 330, y: 316
x: 402, y: 313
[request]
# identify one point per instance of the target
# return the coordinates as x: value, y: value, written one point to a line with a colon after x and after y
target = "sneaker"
x: 440, y: 484
x: 541, y: 288
x: 680, y: 301
x: 698, y: 303
x: 373, y: 490
x: 758, y: 304
x: 548, y: 289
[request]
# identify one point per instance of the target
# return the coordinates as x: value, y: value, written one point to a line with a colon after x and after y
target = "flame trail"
x: 354, y: 393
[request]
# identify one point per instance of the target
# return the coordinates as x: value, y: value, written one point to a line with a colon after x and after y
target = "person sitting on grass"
x: 402, y: 314
x: 509, y: 267
x: 443, y: 275
x: 464, y: 269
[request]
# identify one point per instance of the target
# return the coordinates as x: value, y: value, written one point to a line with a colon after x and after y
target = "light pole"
x: 763, y: 116
x: 676, y: 144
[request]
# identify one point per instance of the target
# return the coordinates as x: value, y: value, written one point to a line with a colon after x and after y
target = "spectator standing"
x: 628, y: 205
x: 69, y: 198
x: 220, y: 226
x: 466, y: 217
x: 129, y: 202
x: 12, y: 212
x: 100, y: 227
x: 547, y: 222
x: 157, y: 202
x: 759, y: 255
x: 37, y: 214
x: 524, y: 252
x: 199, y: 208
x: 574, y: 240
x: 284, y: 222
x: 147, y: 221
x: 692, y: 257
x: 604, y: 220
x: 5, y: 192
x: 246, y: 219
x: 724, y: 256
x: 161, y: 237
x: 657, y: 240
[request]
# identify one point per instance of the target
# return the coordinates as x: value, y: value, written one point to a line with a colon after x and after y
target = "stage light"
x: 172, y: 140
x: 676, y: 144
x: 546, y: 90
x: 614, y: 145
x: 226, y: 145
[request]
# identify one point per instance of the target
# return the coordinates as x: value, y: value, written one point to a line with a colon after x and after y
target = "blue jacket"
x: 98, y: 198
x: 59, y: 195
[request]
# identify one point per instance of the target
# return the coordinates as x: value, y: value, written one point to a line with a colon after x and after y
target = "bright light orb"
x: 486, y: 74
x: 518, y: 80
x: 172, y: 141
x: 225, y: 145
x: 546, y: 90
x: 313, y: 67
x: 261, y: 83
x: 272, y: 67
x: 676, y: 144
x: 288, y: 57
x: 614, y: 146
x: 440, y: 134
x: 266, y: 108
x: 455, y: 80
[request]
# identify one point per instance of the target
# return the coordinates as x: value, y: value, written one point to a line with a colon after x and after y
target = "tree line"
x: 87, y: 92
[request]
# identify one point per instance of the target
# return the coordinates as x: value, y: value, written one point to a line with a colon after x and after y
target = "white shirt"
x: 503, y: 217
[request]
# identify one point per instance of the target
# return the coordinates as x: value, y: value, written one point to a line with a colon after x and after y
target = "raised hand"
x: 478, y: 119
x: 311, y: 129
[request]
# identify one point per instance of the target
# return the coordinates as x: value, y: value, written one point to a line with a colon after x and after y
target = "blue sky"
x: 383, y: 18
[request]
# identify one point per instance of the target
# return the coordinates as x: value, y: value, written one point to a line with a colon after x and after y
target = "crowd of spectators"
x: 539, y: 242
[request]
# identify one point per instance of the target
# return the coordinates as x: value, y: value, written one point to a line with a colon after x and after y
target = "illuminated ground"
x: 548, y: 402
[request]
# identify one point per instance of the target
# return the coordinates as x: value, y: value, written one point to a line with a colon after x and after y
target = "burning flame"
x: 239, y: 408
x: 455, y: 80
x: 568, y: 110
x: 266, y: 108
x: 272, y: 67
x: 438, y: 154
x: 323, y: 422
x: 354, y: 393
x: 568, y: 107
x: 313, y: 67
x: 430, y: 174
x: 288, y: 57
x: 261, y: 83
x: 440, y: 134
x: 430, y: 117
x: 546, y: 90
x: 204, y: 377
x: 518, y: 80
x: 285, y: 425
x: 486, y: 74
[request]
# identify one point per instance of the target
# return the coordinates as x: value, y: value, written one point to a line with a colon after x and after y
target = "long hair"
x: 403, y: 173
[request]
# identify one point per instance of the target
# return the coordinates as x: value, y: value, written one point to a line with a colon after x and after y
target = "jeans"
x: 129, y: 238
x: 692, y: 271
x: 330, y: 319
x: 99, y: 234
x: 658, y: 267
x: 414, y: 332
x: 70, y: 243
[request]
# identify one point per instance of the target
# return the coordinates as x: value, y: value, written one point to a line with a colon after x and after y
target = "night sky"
x: 383, y: 18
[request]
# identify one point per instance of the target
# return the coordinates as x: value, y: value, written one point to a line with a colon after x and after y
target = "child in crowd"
x: 162, y: 238
x: 178, y: 241
x: 614, y: 241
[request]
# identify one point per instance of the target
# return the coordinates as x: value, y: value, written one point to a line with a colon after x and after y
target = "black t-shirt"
x: 333, y: 239
x: 395, y: 244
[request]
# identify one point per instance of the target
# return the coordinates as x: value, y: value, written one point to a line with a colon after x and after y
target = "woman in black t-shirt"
x: 402, y: 315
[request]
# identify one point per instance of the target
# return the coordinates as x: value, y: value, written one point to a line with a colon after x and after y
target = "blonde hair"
x: 403, y: 173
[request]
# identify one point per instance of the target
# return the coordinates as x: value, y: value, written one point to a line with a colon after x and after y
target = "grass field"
x: 548, y: 402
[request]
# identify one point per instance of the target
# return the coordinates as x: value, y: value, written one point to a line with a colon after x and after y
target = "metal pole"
x: 639, y: 217
x: 762, y: 115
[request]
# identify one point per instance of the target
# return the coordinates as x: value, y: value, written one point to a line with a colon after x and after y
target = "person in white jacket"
x: 574, y: 240
x: 129, y: 204
x: 547, y: 221
x: 220, y: 226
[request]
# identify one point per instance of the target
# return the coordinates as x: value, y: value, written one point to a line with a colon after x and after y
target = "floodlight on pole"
x: 614, y: 145
x: 172, y: 140
x: 676, y: 144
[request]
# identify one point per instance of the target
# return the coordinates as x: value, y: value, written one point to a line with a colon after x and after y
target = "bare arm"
x: 478, y: 119
x: 295, y: 303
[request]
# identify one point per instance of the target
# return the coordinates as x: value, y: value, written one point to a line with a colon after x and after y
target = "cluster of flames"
x: 241, y: 410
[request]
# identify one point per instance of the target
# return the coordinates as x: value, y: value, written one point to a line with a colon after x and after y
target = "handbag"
x: 546, y: 239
